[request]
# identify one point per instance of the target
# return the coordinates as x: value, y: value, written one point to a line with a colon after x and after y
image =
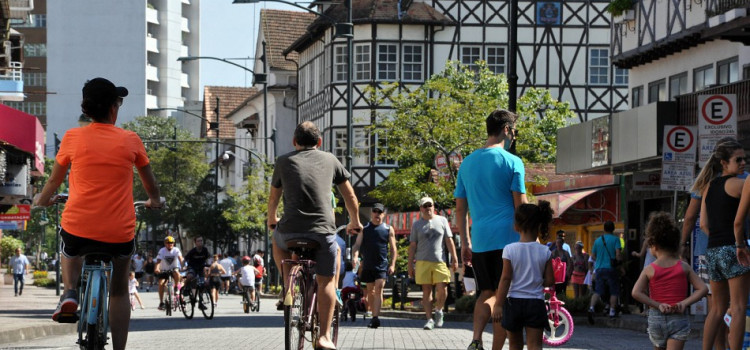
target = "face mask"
x: 507, y: 144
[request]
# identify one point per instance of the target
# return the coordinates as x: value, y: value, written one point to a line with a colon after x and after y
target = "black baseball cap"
x: 378, y: 206
x: 103, y: 89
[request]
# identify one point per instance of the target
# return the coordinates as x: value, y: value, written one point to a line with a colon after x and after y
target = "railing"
x: 717, y: 7
x: 688, y: 103
x: 14, y: 71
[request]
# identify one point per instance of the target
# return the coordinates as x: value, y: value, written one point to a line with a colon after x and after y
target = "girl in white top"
x: 527, y: 269
x: 133, y: 290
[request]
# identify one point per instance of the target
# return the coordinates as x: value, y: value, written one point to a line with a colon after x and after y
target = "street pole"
x: 57, y: 234
x: 266, y: 255
x: 349, y: 102
x: 513, y: 57
x: 216, y: 174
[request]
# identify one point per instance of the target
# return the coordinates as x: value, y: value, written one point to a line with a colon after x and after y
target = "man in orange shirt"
x: 99, y: 216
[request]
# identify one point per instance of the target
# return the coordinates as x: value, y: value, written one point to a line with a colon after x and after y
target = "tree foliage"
x: 248, y: 214
x: 447, y: 115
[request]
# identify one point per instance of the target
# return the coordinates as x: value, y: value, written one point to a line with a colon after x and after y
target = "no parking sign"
x: 678, y: 157
x: 717, y: 118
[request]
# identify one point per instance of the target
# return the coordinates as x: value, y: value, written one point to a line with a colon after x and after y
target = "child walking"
x: 666, y: 281
x: 133, y: 290
x: 527, y: 269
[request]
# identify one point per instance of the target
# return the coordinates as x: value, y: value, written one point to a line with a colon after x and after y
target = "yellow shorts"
x: 428, y: 272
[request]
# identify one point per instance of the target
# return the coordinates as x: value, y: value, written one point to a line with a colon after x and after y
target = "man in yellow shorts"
x: 430, y: 236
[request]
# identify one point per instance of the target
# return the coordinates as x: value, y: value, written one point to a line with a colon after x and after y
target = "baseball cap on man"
x: 103, y: 89
x: 378, y: 206
x: 425, y: 200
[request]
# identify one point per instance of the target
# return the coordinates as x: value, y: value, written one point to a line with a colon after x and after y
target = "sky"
x: 229, y: 31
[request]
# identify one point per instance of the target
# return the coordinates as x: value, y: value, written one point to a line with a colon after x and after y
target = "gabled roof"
x: 229, y: 98
x: 371, y: 11
x: 281, y: 29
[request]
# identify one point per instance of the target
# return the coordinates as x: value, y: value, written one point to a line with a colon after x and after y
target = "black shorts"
x: 369, y: 276
x: 488, y: 267
x: 166, y: 274
x: 73, y: 246
x: 195, y: 272
x: 215, y: 282
x: 226, y: 278
x: 521, y: 313
x: 138, y: 274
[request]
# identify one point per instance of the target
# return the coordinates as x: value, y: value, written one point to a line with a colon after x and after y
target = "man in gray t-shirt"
x: 430, y: 236
x: 304, y: 178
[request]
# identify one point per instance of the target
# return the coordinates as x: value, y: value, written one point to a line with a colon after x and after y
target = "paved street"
x: 152, y: 329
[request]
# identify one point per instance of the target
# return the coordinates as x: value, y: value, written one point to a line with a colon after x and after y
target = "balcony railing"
x: 717, y: 7
x: 688, y: 103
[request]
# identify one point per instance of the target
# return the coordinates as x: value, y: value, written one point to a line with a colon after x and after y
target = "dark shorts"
x: 166, y: 274
x: 226, y: 278
x: 488, y: 267
x: 73, y: 246
x: 325, y: 256
x: 195, y: 272
x: 368, y: 276
x: 519, y: 313
x: 138, y: 274
x: 215, y: 282
x: 607, y: 279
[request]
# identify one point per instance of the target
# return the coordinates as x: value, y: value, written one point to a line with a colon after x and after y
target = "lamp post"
x: 211, y: 125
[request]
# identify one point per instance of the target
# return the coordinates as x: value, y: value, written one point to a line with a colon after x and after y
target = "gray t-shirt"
x: 305, y: 178
x: 430, y: 237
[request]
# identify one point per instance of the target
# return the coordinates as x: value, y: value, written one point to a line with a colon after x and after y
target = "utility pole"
x: 57, y: 234
x: 216, y: 175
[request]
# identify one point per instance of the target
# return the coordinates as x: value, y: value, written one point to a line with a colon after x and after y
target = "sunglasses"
x: 377, y: 212
x: 740, y: 160
x: 427, y: 205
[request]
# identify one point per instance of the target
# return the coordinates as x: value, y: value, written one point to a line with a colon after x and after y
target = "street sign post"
x: 717, y: 118
x: 678, y: 157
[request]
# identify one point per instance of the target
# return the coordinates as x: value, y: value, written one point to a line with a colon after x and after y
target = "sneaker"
x: 142, y: 307
x: 67, y: 306
x: 612, y: 313
x: 475, y: 345
x: 591, y: 315
x: 439, y: 318
x: 368, y: 314
x: 374, y: 323
x: 20, y: 292
x: 132, y: 308
x: 161, y: 306
x: 429, y: 325
x: 338, y: 297
x: 280, y: 305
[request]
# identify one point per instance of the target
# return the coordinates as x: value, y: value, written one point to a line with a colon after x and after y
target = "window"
x: 677, y: 85
x: 496, y: 59
x: 35, y: 21
x: 34, y: 108
x: 412, y: 61
x: 621, y: 76
x: 728, y: 71
x: 387, y: 61
x: 340, y: 61
x: 35, y: 50
x: 362, y: 62
x: 657, y: 91
x: 321, y: 72
x: 636, y: 99
x: 599, y: 67
x: 382, y: 157
x: 703, y: 77
x: 470, y: 55
x: 360, y: 147
x: 35, y: 79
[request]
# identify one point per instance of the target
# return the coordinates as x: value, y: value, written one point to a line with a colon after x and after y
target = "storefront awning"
x: 560, y: 202
x: 24, y: 132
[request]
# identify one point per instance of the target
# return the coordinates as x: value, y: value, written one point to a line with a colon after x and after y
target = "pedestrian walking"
x: 606, y: 255
x: 216, y: 270
x: 430, y: 237
x: 663, y: 285
x: 727, y: 256
x: 519, y: 302
x: 562, y: 254
x: 133, y: 291
x: 375, y: 241
x: 19, y: 264
x: 490, y: 185
x: 580, y: 270
x: 226, y: 277
x: 136, y: 265
x: 148, y: 271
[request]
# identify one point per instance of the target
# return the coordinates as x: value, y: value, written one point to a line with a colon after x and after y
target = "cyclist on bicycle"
x: 247, y: 277
x: 168, y: 260
x: 197, y: 260
x: 304, y: 177
x: 99, y: 215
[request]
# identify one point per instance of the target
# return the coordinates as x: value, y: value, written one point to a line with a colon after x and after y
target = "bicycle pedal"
x: 67, y: 318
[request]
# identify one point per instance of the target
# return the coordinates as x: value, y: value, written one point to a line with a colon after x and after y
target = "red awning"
x: 24, y: 132
x: 560, y: 202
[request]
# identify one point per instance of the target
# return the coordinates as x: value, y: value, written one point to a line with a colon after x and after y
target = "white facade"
x: 132, y: 43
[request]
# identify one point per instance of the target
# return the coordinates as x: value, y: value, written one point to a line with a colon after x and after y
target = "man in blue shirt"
x: 606, y: 251
x: 18, y: 264
x: 490, y: 185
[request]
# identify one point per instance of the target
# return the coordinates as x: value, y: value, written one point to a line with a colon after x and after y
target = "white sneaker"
x: 368, y: 314
x: 429, y: 325
x: 438, y: 319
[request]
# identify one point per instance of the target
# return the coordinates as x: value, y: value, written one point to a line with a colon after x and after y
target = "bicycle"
x: 301, y: 299
x: 560, y: 322
x: 248, y: 304
x: 195, y: 292
x: 172, y: 301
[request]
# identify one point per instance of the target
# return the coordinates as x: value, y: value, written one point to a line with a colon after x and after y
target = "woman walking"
x: 580, y: 269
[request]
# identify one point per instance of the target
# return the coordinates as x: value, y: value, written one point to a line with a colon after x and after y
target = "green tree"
x: 446, y: 115
x: 247, y: 215
x: 8, y: 246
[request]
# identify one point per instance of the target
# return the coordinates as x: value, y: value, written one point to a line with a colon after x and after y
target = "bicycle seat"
x: 302, y: 244
x: 96, y: 257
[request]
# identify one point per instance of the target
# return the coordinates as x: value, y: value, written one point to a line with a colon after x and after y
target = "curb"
x: 38, y: 331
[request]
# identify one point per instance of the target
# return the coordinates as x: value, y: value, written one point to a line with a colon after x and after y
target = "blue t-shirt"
x: 486, y: 178
x: 342, y: 246
x: 603, y: 256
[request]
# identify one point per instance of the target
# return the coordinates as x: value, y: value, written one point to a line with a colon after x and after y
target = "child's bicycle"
x: 248, y: 304
x: 560, y: 322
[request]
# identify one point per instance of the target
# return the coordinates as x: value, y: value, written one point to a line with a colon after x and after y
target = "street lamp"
x: 211, y: 125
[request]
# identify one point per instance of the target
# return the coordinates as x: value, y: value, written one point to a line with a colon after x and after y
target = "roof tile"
x: 281, y: 28
x: 230, y: 98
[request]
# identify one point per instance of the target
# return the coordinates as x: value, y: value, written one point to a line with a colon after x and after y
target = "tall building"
x: 132, y: 43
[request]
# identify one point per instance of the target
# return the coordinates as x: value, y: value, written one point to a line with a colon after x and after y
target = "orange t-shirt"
x: 101, y: 158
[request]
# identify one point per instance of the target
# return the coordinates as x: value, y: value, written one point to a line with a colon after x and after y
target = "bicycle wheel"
x: 257, y: 302
x: 206, y: 303
x: 168, y: 300
x: 96, y: 332
x: 246, y: 301
x: 558, y: 334
x: 294, y: 324
x: 187, y: 303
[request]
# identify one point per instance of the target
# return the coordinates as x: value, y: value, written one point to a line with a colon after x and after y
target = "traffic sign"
x: 678, y: 157
x: 717, y: 118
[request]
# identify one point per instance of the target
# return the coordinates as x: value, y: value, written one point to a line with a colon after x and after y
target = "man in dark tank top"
x: 376, y: 239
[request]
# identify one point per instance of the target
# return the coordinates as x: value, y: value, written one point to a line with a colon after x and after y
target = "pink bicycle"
x: 560, y: 322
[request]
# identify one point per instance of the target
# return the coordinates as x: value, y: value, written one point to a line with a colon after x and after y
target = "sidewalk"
x: 29, y: 316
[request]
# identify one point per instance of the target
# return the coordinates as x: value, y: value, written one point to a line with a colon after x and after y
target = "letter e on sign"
x: 717, y: 109
x: 680, y: 139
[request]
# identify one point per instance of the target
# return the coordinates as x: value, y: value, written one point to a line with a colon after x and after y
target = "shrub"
x: 45, y: 282
x: 40, y: 274
x: 618, y: 7
x: 577, y: 305
x: 8, y: 247
x: 465, y: 304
